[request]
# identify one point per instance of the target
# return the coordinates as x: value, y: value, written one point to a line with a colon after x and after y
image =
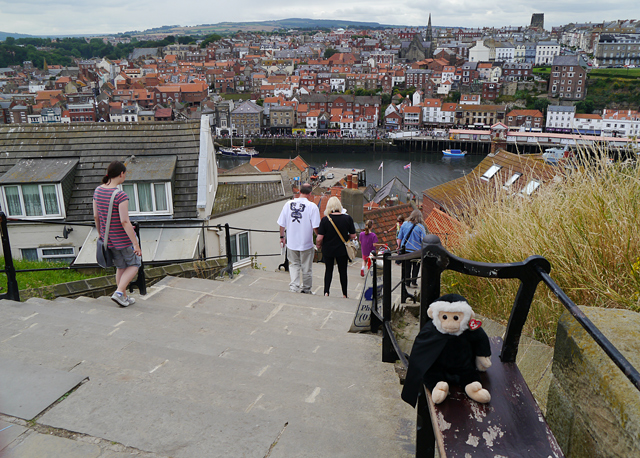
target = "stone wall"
x: 105, y: 286
x: 592, y: 408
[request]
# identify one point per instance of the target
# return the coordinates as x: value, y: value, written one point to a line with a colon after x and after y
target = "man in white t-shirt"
x: 300, y: 217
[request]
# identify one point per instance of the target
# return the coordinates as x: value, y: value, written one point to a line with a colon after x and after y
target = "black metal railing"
x: 13, y: 290
x: 435, y: 260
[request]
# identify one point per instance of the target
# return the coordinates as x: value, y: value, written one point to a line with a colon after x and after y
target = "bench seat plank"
x: 510, y: 425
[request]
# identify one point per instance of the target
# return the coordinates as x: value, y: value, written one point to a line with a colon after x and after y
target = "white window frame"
x: 44, y: 215
x: 137, y: 212
x: 529, y: 189
x: 511, y: 180
x: 235, y: 240
x: 486, y: 176
x: 44, y: 255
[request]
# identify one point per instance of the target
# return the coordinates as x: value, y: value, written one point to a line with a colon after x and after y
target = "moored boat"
x: 454, y: 153
x: 239, y: 151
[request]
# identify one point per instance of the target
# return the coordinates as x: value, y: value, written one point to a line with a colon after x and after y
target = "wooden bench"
x: 511, y: 424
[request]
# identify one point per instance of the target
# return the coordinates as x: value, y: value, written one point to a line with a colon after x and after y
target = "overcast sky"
x: 58, y: 17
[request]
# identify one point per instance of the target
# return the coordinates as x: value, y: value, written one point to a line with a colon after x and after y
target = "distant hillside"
x: 266, y: 26
x: 4, y: 35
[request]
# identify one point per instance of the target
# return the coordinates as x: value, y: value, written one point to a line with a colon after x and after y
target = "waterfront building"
x: 480, y: 115
x: 587, y: 124
x: 560, y: 118
x: 527, y: 120
x: 621, y: 123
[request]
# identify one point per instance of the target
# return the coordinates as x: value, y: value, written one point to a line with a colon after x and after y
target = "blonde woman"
x: 332, y: 246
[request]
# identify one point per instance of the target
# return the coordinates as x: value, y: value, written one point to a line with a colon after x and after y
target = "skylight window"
x: 512, y: 180
x: 530, y: 187
x: 491, y: 172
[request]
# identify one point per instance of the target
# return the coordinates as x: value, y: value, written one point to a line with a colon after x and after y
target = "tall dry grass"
x: 586, y: 223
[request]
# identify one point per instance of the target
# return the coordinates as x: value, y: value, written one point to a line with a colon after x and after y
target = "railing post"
x: 404, y: 293
x: 425, y: 437
x: 141, y: 280
x: 227, y: 245
x: 375, y: 322
x: 430, y: 281
x: 388, y: 353
x: 13, y: 292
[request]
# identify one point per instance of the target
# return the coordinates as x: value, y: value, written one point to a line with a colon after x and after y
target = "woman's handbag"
x: 403, y: 249
x: 352, y: 248
x: 103, y: 253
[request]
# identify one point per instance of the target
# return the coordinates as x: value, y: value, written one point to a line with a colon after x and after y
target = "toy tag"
x: 474, y: 324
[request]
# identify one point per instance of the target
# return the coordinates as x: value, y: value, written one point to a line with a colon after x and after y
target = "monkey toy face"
x: 451, y: 321
x: 451, y: 317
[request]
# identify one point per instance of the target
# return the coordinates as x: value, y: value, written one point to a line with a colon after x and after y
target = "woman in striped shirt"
x: 122, y: 242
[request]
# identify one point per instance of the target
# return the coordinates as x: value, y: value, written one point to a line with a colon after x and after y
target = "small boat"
x: 238, y: 151
x: 454, y: 153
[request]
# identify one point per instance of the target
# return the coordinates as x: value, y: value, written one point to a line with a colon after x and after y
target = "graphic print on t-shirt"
x: 296, y: 212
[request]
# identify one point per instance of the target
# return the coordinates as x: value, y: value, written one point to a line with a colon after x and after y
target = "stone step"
x: 217, y: 368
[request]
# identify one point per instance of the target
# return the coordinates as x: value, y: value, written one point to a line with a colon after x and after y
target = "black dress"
x: 333, y: 249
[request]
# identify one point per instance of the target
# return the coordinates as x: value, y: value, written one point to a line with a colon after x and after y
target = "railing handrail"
x: 535, y: 269
x: 12, y: 285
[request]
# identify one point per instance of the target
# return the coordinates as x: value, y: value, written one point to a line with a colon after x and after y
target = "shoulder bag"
x: 352, y: 249
x: 103, y: 253
x: 403, y: 249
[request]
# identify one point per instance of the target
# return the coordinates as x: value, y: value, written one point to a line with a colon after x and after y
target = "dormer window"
x: 491, y: 172
x: 149, y: 185
x: 35, y: 188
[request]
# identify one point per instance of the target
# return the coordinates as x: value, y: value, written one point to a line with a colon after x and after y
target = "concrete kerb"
x: 104, y: 286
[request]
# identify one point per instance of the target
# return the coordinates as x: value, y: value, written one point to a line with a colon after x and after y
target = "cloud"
x: 38, y: 17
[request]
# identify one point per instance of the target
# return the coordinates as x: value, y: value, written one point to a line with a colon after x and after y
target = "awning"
x: 158, y: 244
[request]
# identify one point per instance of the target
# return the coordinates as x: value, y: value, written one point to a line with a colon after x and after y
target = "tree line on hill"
x: 63, y: 51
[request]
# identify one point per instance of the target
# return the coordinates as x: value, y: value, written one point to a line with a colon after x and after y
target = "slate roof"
x: 95, y: 145
x: 236, y: 196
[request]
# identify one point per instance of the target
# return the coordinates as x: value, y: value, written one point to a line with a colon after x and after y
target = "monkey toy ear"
x: 430, y: 312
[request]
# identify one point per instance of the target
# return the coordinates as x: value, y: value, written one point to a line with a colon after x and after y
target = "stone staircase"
x: 203, y: 368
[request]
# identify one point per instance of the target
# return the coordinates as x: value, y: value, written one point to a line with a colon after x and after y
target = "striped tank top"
x: 118, y: 238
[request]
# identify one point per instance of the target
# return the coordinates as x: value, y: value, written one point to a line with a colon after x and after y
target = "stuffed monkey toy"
x: 450, y: 349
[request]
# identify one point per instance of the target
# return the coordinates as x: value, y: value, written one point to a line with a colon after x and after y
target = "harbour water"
x: 427, y: 169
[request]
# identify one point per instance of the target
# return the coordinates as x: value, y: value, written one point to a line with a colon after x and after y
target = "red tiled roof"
x: 444, y: 226
x: 384, y: 219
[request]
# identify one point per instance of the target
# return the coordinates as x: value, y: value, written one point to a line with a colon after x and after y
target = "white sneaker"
x: 119, y: 299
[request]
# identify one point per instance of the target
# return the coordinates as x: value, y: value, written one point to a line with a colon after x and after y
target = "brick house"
x: 568, y: 78
x: 527, y: 119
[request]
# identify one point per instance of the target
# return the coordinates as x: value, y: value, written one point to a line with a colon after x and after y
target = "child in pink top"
x: 368, y: 240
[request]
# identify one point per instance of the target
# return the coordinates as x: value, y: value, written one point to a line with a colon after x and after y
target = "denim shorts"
x: 125, y: 258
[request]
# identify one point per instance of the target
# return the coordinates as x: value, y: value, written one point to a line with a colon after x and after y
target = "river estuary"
x: 427, y: 169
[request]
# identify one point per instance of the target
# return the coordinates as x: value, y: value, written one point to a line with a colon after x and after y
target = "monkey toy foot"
x: 440, y: 392
x: 477, y: 393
